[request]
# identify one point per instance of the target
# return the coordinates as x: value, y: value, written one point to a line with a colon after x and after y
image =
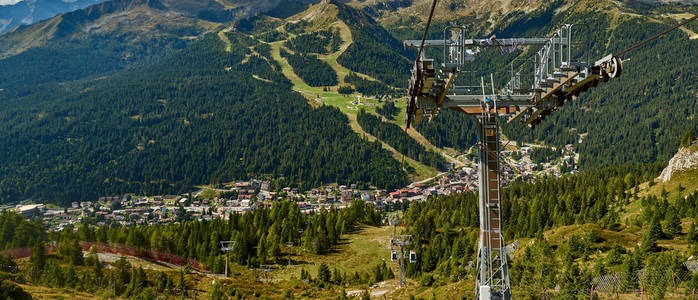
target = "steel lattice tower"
x: 558, y: 75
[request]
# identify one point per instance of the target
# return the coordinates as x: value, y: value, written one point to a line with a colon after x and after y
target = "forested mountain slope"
x: 114, y: 35
x: 102, y: 38
x: 334, y: 54
x: 186, y: 120
x: 641, y: 116
x: 91, y: 137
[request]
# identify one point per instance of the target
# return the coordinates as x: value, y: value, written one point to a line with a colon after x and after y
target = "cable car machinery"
x: 558, y: 77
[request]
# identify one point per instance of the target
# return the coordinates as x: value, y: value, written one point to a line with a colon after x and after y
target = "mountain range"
x: 28, y: 12
x: 158, y: 96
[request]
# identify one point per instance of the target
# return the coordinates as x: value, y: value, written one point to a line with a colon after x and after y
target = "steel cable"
x: 655, y: 36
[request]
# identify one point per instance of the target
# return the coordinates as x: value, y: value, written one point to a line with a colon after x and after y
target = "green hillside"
x: 572, y: 232
x: 186, y: 120
x: 155, y: 97
x: 307, y: 68
x: 64, y: 77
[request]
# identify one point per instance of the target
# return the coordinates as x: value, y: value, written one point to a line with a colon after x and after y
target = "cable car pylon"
x: 559, y: 74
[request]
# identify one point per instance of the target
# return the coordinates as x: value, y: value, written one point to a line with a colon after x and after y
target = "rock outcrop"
x: 685, y: 159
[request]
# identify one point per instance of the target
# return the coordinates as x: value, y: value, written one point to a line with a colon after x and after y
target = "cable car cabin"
x: 413, y: 256
x: 393, y: 256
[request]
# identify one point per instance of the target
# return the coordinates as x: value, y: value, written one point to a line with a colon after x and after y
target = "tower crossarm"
x: 559, y: 75
x: 491, y: 42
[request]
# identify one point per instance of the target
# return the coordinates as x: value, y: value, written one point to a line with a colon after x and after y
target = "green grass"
x: 42, y: 292
x: 686, y: 179
x: 208, y: 194
x: 626, y: 238
x: 357, y: 252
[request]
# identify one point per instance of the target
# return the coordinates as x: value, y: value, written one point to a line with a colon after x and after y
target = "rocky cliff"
x: 685, y: 159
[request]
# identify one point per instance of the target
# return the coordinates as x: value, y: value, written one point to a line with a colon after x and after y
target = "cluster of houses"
x: 244, y: 196
x: 526, y: 170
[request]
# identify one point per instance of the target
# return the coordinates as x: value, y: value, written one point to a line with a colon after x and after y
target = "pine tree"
x: 599, y: 266
x: 137, y: 283
x: 691, y: 236
x: 216, y: 293
x: 262, y: 250
x: 387, y: 272
x: 655, y: 228
x: 571, y: 278
x: 377, y: 274
x: 8, y: 265
x: 273, y: 245
x: 390, y: 273
x: 614, y: 256
x: 53, y: 275
x: 71, y: 278
x: 656, y: 276
x: 122, y: 271
x: 97, y: 270
x: 323, y: 273
x: 76, y: 257
x: 38, y: 260
x: 163, y: 282
x: 672, y: 225
x: 322, y: 238
x: 337, y: 277
x: 630, y: 267
x: 356, y: 278
x: 182, y: 284
x: 649, y: 243
x: 310, y: 240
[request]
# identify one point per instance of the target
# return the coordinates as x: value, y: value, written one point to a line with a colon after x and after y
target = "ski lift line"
x: 426, y: 30
x: 419, y: 55
x: 655, y: 36
x: 418, y: 70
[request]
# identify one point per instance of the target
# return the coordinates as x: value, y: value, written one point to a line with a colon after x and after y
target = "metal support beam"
x: 476, y: 100
x: 480, y: 42
x: 492, y: 281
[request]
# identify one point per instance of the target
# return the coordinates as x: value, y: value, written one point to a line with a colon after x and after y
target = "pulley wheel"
x: 616, y: 67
